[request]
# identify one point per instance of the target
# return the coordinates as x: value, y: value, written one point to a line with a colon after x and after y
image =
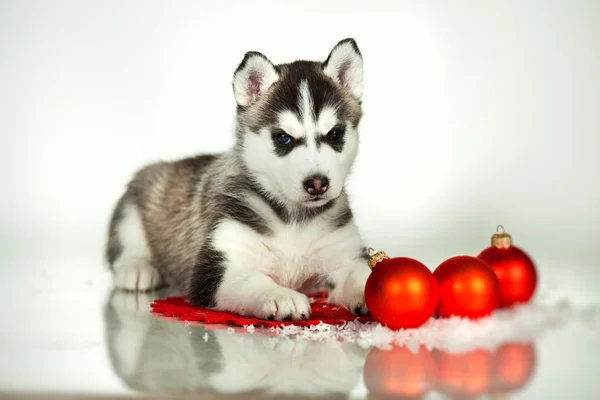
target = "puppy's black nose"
x: 316, y: 185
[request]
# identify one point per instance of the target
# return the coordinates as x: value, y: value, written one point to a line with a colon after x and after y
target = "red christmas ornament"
x: 468, y: 288
x: 513, y: 267
x: 401, y: 293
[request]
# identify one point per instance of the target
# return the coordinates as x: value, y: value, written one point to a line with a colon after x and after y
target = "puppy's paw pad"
x: 283, y: 304
x: 136, y: 276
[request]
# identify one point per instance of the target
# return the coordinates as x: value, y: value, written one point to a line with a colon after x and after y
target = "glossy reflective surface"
x: 66, y: 331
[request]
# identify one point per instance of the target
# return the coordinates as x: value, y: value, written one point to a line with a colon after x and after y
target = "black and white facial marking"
x: 284, y: 143
x: 333, y: 138
x: 298, y: 123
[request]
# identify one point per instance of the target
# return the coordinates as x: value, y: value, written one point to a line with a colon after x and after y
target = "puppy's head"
x: 298, y: 123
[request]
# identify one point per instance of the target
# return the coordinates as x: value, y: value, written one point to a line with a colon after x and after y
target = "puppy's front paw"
x: 136, y: 276
x: 282, y: 304
x: 353, y: 300
x: 359, y: 307
x: 357, y: 304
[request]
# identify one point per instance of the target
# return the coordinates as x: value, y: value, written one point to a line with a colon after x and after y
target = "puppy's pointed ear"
x: 345, y: 66
x: 252, y: 78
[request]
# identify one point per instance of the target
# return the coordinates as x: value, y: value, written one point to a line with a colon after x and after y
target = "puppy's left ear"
x: 252, y: 78
x: 345, y: 66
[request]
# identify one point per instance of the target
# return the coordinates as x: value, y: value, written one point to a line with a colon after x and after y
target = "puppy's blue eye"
x: 283, y: 139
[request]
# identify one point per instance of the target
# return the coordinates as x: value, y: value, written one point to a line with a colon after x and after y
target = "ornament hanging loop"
x: 501, y: 239
x: 376, y: 257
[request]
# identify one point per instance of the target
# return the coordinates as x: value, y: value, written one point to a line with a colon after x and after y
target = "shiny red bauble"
x: 401, y: 292
x: 468, y: 287
x: 513, y: 267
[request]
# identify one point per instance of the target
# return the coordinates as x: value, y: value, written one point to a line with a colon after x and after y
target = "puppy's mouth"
x: 315, y: 201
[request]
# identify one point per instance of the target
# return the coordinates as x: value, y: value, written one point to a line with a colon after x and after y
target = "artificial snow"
x: 522, y: 323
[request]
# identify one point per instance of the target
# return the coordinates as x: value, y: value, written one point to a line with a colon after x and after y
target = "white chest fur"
x: 293, y: 254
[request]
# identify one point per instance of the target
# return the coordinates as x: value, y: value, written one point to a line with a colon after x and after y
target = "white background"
x: 477, y: 113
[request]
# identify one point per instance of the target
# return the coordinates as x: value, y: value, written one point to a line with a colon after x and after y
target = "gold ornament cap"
x: 501, y: 239
x: 376, y: 257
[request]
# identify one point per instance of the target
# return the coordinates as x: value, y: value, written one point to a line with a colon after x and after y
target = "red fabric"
x: 179, y: 308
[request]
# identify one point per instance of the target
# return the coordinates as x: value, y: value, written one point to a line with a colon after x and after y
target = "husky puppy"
x: 250, y: 229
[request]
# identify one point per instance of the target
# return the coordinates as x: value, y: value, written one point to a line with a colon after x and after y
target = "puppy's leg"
x: 128, y: 252
x: 246, y: 292
x: 348, y: 283
x: 232, y: 274
x: 238, y: 288
x: 253, y: 293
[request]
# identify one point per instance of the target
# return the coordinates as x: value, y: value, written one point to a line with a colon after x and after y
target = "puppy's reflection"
x: 155, y: 356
